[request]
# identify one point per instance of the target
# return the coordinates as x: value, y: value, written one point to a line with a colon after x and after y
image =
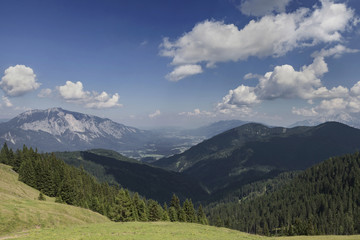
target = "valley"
x: 234, y: 174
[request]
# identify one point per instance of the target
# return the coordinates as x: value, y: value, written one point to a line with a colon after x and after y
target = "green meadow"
x: 154, y: 231
x: 20, y: 209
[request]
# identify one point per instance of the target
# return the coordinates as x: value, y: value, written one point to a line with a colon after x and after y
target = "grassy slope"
x: 156, y: 230
x: 20, y: 210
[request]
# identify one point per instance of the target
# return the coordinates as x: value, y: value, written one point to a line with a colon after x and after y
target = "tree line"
x: 74, y: 186
x: 324, y: 199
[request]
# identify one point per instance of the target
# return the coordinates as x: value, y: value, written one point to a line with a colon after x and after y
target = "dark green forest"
x: 148, y: 181
x: 74, y: 186
x: 324, y: 199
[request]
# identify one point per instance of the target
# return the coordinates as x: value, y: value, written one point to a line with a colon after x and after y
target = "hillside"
x: 149, y: 181
x: 324, y: 199
x: 20, y: 210
x: 253, y: 152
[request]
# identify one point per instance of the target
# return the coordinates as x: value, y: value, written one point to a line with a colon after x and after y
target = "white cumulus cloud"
x: 213, y: 41
x: 344, y: 101
x: 19, y: 80
x: 183, y: 71
x: 262, y: 7
x: 284, y: 82
x: 241, y: 97
x: 74, y: 92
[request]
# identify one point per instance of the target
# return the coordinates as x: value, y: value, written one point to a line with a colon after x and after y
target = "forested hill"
x: 148, y: 181
x: 324, y: 199
x: 253, y: 152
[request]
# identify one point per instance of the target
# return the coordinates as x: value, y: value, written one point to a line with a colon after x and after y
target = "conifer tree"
x: 175, y: 203
x: 165, y: 216
x: 41, y: 197
x: 4, y: 154
x: 122, y: 208
x: 189, y: 210
x: 201, y: 216
x: 27, y: 173
x: 154, y: 211
x: 182, y: 216
x: 173, y: 215
x: 19, y: 157
x: 140, y: 208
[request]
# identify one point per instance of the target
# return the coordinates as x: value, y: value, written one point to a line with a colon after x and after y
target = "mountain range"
x: 222, y: 163
x: 345, y: 118
x: 253, y: 151
x: 57, y: 129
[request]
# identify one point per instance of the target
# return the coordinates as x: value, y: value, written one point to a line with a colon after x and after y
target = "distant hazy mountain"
x: 345, y: 118
x: 57, y: 129
x: 254, y: 151
x: 216, y: 128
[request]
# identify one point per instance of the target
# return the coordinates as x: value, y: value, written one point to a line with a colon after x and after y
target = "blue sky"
x: 181, y: 63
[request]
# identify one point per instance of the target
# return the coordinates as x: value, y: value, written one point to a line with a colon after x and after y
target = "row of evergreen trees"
x: 70, y: 185
x: 324, y: 199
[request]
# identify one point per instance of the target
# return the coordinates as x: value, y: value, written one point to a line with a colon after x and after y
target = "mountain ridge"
x: 253, y: 152
x: 58, y: 129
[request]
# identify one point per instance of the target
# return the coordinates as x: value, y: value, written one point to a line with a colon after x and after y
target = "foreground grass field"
x: 20, y: 210
x: 155, y: 231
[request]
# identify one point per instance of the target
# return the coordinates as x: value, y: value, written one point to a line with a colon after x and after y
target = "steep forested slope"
x: 324, y: 199
x: 152, y: 182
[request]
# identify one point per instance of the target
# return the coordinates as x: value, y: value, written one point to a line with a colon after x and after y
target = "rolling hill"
x: 21, y: 211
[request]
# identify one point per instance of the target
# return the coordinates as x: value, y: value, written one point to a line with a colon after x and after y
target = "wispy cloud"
x: 183, y: 71
x: 46, y: 92
x: 7, y: 102
x: 155, y: 114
